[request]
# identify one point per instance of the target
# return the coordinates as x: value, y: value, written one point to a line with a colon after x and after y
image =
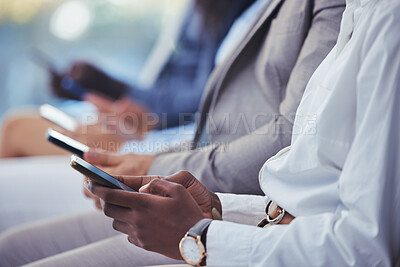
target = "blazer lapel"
x: 214, y: 84
x: 262, y: 17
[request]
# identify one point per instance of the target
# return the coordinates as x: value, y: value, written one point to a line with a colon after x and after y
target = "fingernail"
x: 89, y: 185
x: 102, y: 203
x: 91, y: 155
x: 144, y: 187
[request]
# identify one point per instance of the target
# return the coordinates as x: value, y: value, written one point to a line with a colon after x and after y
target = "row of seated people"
x: 297, y: 132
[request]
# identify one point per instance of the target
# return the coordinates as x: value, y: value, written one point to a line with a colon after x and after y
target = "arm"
x: 169, y: 103
x: 364, y: 229
x: 220, y: 168
x: 140, y: 215
x: 179, y: 86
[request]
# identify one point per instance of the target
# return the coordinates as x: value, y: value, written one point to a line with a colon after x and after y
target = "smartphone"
x: 97, y: 175
x: 67, y: 83
x: 58, y: 117
x: 43, y: 60
x: 75, y: 89
x: 66, y: 143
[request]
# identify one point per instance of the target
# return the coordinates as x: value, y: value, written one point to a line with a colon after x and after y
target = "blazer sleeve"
x: 234, y: 167
x: 176, y: 95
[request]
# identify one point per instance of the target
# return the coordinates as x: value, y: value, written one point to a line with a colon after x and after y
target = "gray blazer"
x: 248, y: 107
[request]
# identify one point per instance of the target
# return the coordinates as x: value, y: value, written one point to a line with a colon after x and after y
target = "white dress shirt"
x: 341, y: 176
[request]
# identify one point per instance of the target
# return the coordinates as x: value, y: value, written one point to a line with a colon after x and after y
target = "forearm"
x: 233, y: 167
x: 319, y: 240
x: 173, y: 107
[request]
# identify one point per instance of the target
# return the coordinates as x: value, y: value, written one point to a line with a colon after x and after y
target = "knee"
x: 8, y: 130
x: 11, y: 124
x: 14, y: 128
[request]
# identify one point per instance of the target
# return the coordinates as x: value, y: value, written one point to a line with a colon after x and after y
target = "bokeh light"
x: 71, y: 20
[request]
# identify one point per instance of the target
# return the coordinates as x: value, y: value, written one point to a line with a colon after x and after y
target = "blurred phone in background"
x: 43, y: 60
x: 67, y: 143
x: 71, y: 88
x: 58, y: 117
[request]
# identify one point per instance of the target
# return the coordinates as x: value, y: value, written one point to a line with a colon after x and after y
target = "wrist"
x: 192, y: 245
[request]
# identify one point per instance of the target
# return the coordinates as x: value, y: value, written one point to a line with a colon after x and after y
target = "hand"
x: 126, y: 117
x: 120, y: 164
x: 204, y: 198
x: 89, y: 194
x: 96, y: 136
x: 156, y: 221
x: 92, y: 78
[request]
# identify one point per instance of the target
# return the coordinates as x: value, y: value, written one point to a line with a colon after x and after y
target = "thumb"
x: 184, y: 178
x: 102, y: 158
x: 162, y: 188
x: 136, y: 182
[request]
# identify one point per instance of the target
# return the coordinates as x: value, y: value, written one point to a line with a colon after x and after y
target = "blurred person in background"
x: 289, y: 38
x: 177, y: 89
x: 171, y: 101
x: 331, y: 197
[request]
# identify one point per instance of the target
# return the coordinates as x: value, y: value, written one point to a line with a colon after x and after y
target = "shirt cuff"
x: 229, y: 244
x: 243, y: 209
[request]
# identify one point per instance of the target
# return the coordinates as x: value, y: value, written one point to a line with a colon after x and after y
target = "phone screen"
x: 66, y: 143
x: 97, y: 175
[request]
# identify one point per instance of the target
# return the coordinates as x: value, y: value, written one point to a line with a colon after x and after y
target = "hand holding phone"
x: 43, y: 60
x: 67, y: 83
x: 66, y: 143
x: 58, y: 117
x: 97, y: 175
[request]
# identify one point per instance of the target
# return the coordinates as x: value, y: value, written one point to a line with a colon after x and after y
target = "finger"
x: 133, y: 240
x: 116, y: 212
x: 162, y: 188
x: 184, y: 178
x: 122, y: 105
x: 102, y: 104
x: 76, y: 71
x: 136, y: 182
x: 102, y: 158
x: 121, y: 227
x: 122, y: 198
x: 97, y: 203
x: 87, y: 193
x: 109, y: 195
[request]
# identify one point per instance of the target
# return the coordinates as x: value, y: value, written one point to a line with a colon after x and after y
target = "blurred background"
x: 115, y: 35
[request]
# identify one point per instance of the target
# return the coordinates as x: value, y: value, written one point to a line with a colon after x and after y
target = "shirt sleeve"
x: 245, y: 209
x: 364, y: 229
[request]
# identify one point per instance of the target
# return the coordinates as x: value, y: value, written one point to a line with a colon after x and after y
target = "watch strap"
x: 199, y: 227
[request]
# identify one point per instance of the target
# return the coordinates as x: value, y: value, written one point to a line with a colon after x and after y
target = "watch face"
x: 190, y: 250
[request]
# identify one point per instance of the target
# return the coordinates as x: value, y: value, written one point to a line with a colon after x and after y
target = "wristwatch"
x: 192, y: 249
